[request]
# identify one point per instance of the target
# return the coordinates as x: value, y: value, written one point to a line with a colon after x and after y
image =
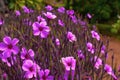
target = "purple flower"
x: 71, y: 37
x: 8, y: 46
x: 17, y: 13
x: 5, y: 60
x: 90, y: 47
x: 5, y: 76
x: 30, y: 68
x: 74, y: 19
x: 69, y: 63
x: 61, y: 9
x: 95, y: 35
x: 109, y: 70
x: 44, y: 75
x: 98, y: 62
x: 49, y: 8
x: 89, y: 15
x: 60, y: 22
x: 57, y: 42
x: 31, y: 10
x: 70, y: 12
x: 50, y: 15
x: 103, y: 49
x: 80, y: 54
x: 41, y: 29
x: 27, y: 54
x: 26, y: 10
x: 40, y: 19
x: 1, y: 22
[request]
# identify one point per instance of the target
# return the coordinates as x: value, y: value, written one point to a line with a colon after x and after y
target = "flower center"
x: 31, y: 69
x: 69, y: 63
x: 10, y: 46
x: 40, y: 28
x: 27, y: 56
x: 44, y: 77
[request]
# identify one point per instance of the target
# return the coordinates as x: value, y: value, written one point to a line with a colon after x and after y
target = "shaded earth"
x: 114, y: 45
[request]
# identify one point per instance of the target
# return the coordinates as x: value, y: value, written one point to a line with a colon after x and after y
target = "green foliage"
x: 116, y: 27
x: 102, y: 10
x: 17, y: 4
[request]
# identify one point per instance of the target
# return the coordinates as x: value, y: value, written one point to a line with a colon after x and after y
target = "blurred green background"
x: 105, y: 12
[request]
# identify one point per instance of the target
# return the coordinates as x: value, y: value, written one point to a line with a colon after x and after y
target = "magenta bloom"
x: 61, y: 10
x: 69, y: 63
x: 40, y: 19
x: 80, y: 54
x: 98, y: 62
x: 90, y: 47
x: 30, y: 68
x: 5, y: 60
x: 109, y: 70
x: 50, y: 15
x: 44, y: 75
x: 74, y: 19
x: 71, y: 37
x: 17, y: 13
x: 70, y: 12
x: 41, y: 29
x: 49, y: 8
x: 89, y: 15
x: 95, y: 35
x: 60, y: 22
x: 25, y: 9
x: 8, y: 46
x: 27, y: 54
x: 57, y: 42
x: 1, y: 22
x: 103, y: 49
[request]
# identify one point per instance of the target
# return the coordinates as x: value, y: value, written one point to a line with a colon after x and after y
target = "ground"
x: 114, y: 44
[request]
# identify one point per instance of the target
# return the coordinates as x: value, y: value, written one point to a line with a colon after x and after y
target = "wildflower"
x: 17, y: 13
x: 103, y: 49
x: 90, y: 47
x: 40, y: 19
x: 89, y: 15
x: 69, y: 63
x: 98, y: 62
x: 44, y: 75
x: 57, y: 42
x: 4, y: 76
x: 4, y: 58
x: 50, y: 15
x: 8, y: 46
x: 27, y: 54
x: 25, y: 9
x: 60, y: 22
x: 41, y: 29
x: 108, y: 69
x: 71, y: 37
x: 61, y: 9
x: 95, y: 35
x: 80, y: 54
x: 31, y: 10
x: 74, y: 19
x: 1, y: 22
x: 70, y: 12
x: 49, y: 8
x: 30, y: 68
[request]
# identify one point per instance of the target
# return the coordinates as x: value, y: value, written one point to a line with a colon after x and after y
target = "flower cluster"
x: 66, y: 49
